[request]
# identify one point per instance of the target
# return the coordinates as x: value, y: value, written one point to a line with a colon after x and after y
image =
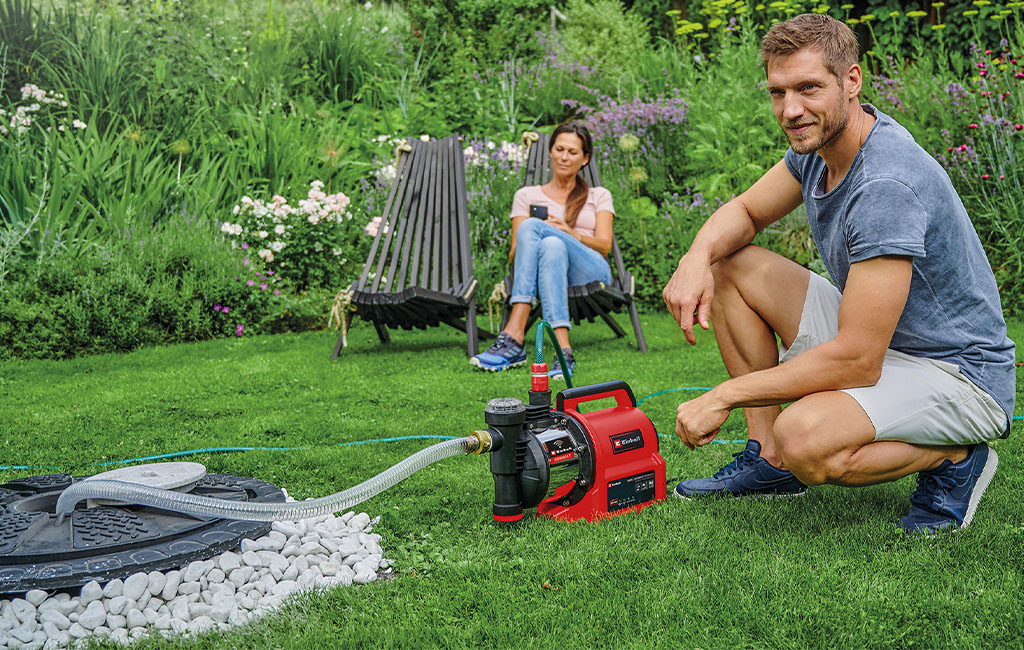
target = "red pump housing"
x: 626, y: 472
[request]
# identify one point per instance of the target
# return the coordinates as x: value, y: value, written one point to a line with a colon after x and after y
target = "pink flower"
x: 1018, y: 127
x: 244, y: 246
x: 226, y: 310
x: 251, y: 283
x: 972, y: 126
x: 216, y: 308
x: 245, y: 261
x: 277, y: 292
x: 263, y: 285
x: 984, y: 177
x: 239, y: 329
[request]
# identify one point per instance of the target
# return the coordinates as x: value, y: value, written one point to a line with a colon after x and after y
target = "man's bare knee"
x: 817, y: 438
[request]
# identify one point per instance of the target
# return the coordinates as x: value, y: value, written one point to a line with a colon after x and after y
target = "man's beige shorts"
x: 917, y: 400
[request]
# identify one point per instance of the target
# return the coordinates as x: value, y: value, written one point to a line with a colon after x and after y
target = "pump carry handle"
x: 620, y: 390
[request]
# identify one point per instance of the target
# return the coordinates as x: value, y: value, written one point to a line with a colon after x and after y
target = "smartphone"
x: 539, y: 211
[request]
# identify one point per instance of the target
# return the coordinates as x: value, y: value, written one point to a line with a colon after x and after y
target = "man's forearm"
x: 829, y: 366
x: 725, y: 232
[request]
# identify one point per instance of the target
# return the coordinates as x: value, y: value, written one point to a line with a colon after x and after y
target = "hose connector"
x: 484, y: 441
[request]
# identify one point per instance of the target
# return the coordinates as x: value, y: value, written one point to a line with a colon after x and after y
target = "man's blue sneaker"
x: 556, y: 368
x: 505, y: 353
x: 747, y: 475
x: 947, y: 496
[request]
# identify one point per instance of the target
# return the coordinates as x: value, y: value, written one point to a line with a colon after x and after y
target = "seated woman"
x: 561, y: 235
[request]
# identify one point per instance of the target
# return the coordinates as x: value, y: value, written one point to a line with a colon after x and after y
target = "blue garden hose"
x: 223, y: 450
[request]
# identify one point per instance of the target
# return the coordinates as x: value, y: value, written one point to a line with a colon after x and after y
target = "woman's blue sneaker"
x: 747, y: 475
x: 556, y: 368
x: 947, y: 497
x: 505, y: 353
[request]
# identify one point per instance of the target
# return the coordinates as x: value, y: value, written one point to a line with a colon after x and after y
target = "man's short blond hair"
x: 832, y: 38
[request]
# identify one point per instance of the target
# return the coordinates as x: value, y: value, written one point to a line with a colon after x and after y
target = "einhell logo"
x: 630, y: 440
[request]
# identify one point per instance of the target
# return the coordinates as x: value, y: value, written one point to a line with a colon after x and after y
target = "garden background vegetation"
x: 179, y: 170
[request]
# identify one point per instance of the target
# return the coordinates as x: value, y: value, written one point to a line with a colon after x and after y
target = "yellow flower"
x: 673, y: 12
x: 1005, y: 12
x: 971, y: 12
x: 870, y: 53
x: 852, y: 21
x: 714, y: 23
x: 777, y: 5
x: 893, y: 14
x: 981, y: 3
x: 741, y: 10
x: 996, y: 61
x: 759, y: 8
x: 938, y: 4
x: 916, y: 14
x: 938, y: 28
x: 846, y: 7
x: 866, y: 17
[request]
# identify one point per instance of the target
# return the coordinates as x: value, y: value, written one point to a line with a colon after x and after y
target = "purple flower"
x: 263, y: 285
x: 226, y: 310
x: 216, y: 308
x: 244, y: 246
x: 251, y: 283
x: 245, y: 261
x: 239, y: 329
x: 277, y: 292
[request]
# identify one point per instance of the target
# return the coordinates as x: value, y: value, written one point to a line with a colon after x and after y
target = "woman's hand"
x: 558, y: 222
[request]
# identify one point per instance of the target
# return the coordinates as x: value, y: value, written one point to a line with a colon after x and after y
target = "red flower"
x: 972, y: 126
x: 984, y: 177
x: 1018, y: 127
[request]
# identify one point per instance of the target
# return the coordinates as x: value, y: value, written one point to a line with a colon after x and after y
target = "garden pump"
x: 568, y: 463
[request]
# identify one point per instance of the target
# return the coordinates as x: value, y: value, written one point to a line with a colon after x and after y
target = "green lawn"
x: 828, y: 570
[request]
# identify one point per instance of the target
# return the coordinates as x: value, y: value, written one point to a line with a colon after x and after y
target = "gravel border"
x: 224, y: 591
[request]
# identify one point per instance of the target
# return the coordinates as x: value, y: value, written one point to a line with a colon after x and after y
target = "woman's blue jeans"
x: 549, y: 261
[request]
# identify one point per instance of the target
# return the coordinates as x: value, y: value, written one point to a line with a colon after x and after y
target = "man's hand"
x: 688, y: 295
x: 698, y: 421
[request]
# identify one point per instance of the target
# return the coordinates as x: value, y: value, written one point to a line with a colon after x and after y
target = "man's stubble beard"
x: 830, y: 128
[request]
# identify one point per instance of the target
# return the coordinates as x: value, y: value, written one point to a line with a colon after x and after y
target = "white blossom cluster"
x: 23, y: 116
x: 267, y: 225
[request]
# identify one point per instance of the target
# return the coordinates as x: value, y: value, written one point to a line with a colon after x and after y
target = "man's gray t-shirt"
x: 897, y: 200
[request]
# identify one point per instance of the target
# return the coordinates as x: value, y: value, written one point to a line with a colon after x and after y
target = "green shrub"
x: 604, y: 36
x: 149, y: 288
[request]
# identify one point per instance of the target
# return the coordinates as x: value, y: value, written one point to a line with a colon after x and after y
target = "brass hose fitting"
x: 483, y: 441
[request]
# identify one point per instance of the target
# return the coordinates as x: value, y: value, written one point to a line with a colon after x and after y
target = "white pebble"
x: 173, y: 580
x: 113, y: 588
x: 36, y: 597
x: 115, y: 621
x: 95, y: 616
x: 252, y: 559
x: 156, y: 583
x: 241, y: 575
x: 117, y: 605
x: 135, y: 618
x: 135, y: 585
x: 229, y: 561
x: 215, y: 576
x: 187, y: 588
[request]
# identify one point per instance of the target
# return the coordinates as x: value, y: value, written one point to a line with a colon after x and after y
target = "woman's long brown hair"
x: 578, y: 197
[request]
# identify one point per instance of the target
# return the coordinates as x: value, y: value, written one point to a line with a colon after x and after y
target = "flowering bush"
x: 309, y: 244
x: 37, y: 106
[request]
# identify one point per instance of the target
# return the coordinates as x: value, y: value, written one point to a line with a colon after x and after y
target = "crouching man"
x: 903, y: 366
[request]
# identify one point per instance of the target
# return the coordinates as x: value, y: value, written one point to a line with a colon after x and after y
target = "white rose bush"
x: 307, y: 244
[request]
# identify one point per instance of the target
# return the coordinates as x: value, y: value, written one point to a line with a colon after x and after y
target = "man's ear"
x: 854, y: 80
